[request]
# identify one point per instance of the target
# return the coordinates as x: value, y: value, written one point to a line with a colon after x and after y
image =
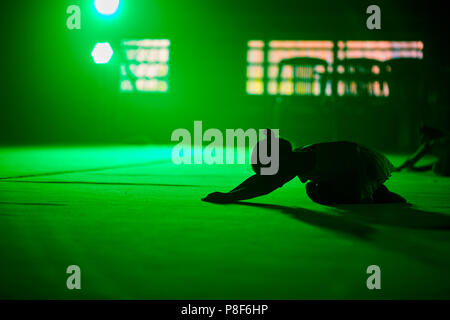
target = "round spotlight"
x: 102, y: 52
x: 106, y: 7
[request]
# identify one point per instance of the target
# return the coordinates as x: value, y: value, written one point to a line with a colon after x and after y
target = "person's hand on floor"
x: 218, y: 197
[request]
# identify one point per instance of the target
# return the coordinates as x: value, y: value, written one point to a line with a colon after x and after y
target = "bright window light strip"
x: 256, y: 44
x: 287, y: 44
x: 387, y: 45
x: 380, y: 50
x: 263, y: 65
x: 146, y: 65
x: 261, y: 62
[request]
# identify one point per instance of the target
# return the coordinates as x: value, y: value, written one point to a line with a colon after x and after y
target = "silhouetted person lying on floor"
x: 335, y: 172
x: 433, y: 142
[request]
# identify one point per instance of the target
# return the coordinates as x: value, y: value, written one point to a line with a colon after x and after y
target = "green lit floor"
x: 135, y: 225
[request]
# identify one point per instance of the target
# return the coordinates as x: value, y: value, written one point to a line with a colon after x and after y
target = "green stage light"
x: 102, y: 52
x: 106, y: 7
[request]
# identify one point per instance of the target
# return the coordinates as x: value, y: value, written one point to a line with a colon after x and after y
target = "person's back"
x: 332, y: 161
x: 346, y: 170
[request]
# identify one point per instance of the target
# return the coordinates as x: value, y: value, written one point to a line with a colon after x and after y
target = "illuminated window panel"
x: 306, y: 66
x: 305, y: 79
x: 255, y: 67
x: 145, y: 65
x: 263, y: 67
x: 255, y: 86
x: 381, y: 51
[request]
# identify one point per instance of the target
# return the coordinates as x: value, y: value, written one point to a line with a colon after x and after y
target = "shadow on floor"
x: 319, y: 219
x: 402, y: 215
x: 355, y: 219
x: 418, y: 234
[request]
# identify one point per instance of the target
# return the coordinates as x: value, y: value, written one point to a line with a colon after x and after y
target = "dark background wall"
x: 52, y: 92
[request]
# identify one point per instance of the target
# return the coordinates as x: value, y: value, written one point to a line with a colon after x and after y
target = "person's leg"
x: 312, y: 190
x: 423, y: 150
x: 383, y: 195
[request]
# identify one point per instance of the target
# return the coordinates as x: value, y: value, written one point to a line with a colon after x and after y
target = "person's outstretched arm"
x: 255, y: 186
x: 411, y: 161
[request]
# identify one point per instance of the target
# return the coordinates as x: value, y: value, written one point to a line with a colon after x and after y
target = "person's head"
x: 271, y: 155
